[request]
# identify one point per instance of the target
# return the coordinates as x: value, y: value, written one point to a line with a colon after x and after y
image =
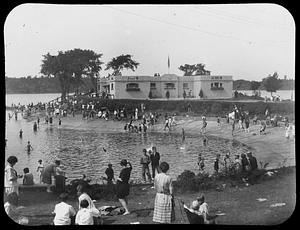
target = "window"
x: 112, y: 86
x: 169, y: 86
x: 216, y: 86
x: 185, y: 85
x: 152, y: 85
x: 132, y: 87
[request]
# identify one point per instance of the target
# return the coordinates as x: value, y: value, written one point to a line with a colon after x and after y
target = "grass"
x: 239, y: 203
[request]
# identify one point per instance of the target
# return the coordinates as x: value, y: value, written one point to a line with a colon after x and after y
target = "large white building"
x: 133, y: 87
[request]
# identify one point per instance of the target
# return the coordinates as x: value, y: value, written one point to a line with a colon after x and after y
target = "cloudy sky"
x: 247, y: 41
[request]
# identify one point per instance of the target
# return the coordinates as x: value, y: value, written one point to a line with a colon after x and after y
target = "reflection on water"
x: 81, y: 151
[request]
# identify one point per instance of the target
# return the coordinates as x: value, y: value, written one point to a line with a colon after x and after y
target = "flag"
x: 168, y: 62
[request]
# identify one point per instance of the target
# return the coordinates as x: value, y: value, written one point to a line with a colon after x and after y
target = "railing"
x: 217, y: 88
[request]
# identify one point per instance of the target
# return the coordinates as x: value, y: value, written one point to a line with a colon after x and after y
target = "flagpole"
x: 168, y: 64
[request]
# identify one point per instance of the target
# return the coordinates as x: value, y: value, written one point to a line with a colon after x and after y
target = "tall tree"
x: 121, y: 62
x: 196, y: 69
x: 271, y: 83
x: 70, y: 66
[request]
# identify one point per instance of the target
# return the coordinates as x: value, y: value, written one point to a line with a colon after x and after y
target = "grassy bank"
x: 239, y: 203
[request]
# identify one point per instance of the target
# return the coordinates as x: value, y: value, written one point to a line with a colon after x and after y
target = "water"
x: 283, y: 94
x: 25, y: 99
x: 81, y: 149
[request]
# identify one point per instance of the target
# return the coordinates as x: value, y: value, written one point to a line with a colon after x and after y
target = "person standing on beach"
x: 49, y: 172
x: 110, y: 174
x: 11, y: 177
x: 59, y: 121
x: 122, y: 186
x: 145, y: 161
x: 21, y: 133
x: 38, y: 121
x: 164, y: 200
x: 40, y: 169
x: 154, y: 158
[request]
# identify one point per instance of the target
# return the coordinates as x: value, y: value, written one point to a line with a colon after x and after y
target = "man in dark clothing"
x: 145, y: 161
x: 110, y: 174
x: 252, y: 161
x: 254, y: 173
x: 154, y: 158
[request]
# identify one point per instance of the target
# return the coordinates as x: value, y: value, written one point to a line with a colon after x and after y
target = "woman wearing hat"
x: 122, y: 186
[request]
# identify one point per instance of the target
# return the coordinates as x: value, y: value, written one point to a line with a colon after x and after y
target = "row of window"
x: 167, y: 85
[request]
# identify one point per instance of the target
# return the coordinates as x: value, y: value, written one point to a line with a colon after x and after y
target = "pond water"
x: 81, y: 149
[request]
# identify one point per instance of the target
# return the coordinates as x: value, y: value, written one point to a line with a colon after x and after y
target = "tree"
x: 197, y: 69
x: 201, y: 93
x: 71, y: 66
x: 150, y: 94
x: 121, y: 62
x: 184, y: 94
x: 271, y: 83
x: 168, y: 94
x: 254, y: 85
x: 187, y: 69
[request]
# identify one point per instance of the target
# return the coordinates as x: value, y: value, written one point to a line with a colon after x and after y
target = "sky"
x: 246, y: 41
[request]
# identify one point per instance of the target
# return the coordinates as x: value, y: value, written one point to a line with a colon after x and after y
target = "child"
x: 29, y: 147
x: 110, y: 174
x: 201, y: 162
x: 218, y: 122
x: 216, y: 164
x: 40, y: 169
x: 84, y: 215
x: 63, y: 211
x: 28, y: 177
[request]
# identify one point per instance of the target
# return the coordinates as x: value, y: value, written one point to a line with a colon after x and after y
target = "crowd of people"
x: 243, y: 164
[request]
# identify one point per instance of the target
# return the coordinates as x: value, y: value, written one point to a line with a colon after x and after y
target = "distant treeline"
x: 247, y: 85
x: 51, y: 85
x: 40, y: 85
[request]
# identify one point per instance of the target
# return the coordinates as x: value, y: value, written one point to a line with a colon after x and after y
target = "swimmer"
x: 21, y: 133
x: 29, y: 147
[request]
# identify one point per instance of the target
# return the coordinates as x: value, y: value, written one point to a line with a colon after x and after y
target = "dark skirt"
x: 122, y: 190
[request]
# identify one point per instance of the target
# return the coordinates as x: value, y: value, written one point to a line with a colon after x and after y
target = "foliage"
x: 196, y: 69
x: 121, y: 62
x: 255, y: 85
x: 201, y: 93
x: 271, y: 83
x: 70, y: 66
x: 168, y: 94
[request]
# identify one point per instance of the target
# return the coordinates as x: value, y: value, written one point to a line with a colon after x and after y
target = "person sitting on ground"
x: 28, y: 177
x: 12, y: 209
x: 63, y: 211
x: 237, y: 164
x: 255, y: 119
x: 200, y: 207
x: 85, y: 216
x: 82, y: 195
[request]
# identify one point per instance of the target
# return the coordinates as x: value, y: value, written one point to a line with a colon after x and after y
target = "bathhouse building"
x: 132, y: 87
